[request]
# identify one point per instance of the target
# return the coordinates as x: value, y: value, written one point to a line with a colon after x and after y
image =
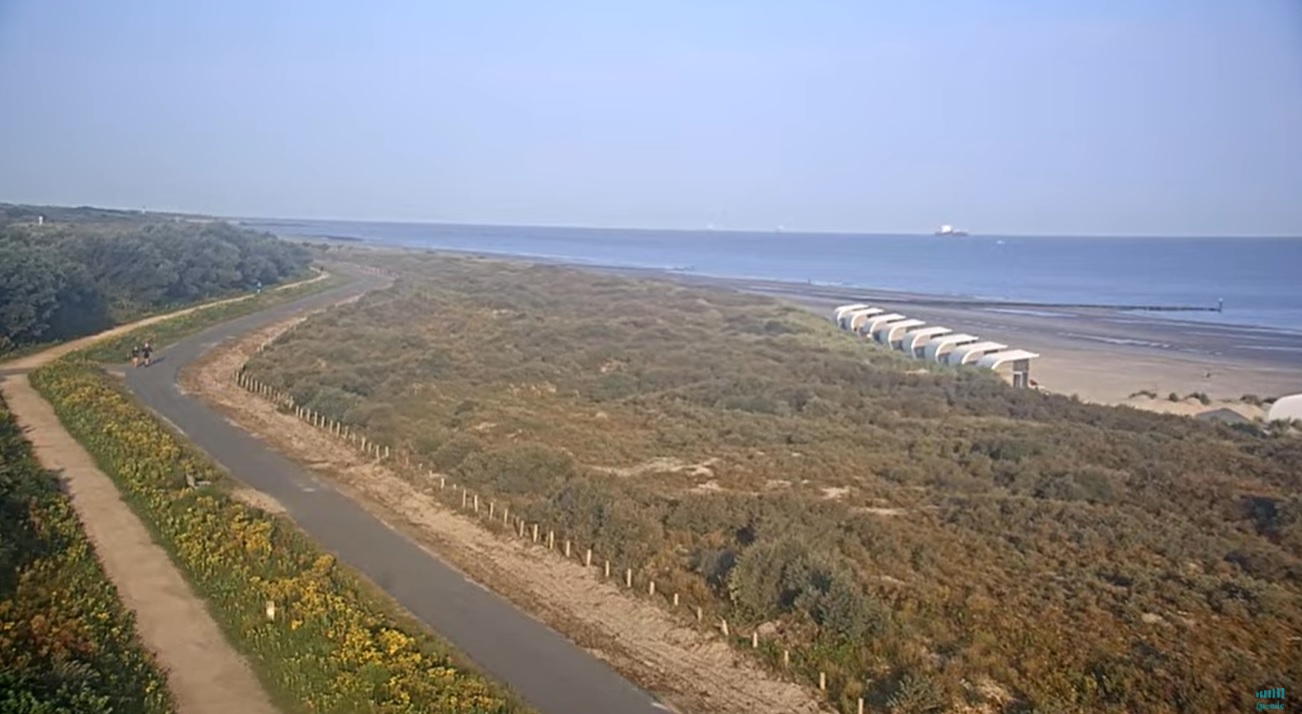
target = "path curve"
x: 204, y: 672
x: 547, y: 670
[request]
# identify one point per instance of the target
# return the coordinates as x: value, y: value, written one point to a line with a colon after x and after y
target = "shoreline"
x: 1103, y: 356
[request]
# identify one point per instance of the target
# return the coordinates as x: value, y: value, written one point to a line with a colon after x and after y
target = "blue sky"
x: 1064, y: 117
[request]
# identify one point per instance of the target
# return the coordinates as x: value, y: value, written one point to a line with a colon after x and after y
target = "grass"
x: 169, y: 331
x: 913, y: 531
x: 336, y: 646
x: 67, y: 643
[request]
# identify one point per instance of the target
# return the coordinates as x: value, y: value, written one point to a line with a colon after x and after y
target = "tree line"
x: 93, y: 268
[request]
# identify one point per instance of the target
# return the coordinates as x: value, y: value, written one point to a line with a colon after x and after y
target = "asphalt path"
x: 547, y: 670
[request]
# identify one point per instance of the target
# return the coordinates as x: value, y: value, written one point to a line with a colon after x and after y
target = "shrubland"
x: 928, y: 536
x: 336, y: 645
x: 67, y: 644
x: 92, y: 269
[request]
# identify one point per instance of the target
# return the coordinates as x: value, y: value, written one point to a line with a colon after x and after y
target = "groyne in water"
x: 897, y: 299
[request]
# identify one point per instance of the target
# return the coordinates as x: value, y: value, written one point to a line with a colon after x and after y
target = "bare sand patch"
x: 661, y: 465
x: 691, y: 669
x: 890, y: 512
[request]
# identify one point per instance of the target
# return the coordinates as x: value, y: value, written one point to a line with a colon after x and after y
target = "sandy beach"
x: 1102, y: 356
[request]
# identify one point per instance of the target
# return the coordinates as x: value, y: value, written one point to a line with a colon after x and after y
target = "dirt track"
x: 204, y: 673
x: 692, y: 670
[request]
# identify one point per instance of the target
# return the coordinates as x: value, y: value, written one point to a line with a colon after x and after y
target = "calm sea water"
x: 1259, y: 279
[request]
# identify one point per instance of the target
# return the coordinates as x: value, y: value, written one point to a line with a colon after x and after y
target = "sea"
x: 1259, y: 280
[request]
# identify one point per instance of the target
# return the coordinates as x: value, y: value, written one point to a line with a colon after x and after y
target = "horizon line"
x: 761, y: 231
x: 780, y: 230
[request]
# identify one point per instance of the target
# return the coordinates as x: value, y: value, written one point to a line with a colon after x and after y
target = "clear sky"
x: 1038, y: 116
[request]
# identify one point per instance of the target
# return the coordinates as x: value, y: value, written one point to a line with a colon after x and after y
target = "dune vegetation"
x: 67, y: 644
x: 336, y: 644
x: 927, y: 536
x: 81, y: 271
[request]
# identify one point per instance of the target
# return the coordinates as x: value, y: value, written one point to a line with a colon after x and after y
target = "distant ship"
x: 948, y: 230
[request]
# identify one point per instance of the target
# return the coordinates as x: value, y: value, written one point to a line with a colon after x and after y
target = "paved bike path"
x: 547, y: 670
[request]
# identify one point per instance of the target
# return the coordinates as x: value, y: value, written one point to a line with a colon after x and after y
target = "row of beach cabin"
x: 933, y: 343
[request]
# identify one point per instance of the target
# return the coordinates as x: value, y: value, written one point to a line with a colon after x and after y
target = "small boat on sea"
x: 948, y: 230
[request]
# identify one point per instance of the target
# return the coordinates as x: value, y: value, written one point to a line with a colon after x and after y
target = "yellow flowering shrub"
x: 332, y: 646
x: 67, y: 644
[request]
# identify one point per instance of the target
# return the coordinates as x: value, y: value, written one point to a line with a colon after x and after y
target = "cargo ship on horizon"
x: 948, y: 230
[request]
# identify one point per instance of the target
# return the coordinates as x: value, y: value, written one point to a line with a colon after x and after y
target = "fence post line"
x: 700, y: 614
x: 607, y: 568
x: 786, y: 658
x: 628, y: 577
x: 822, y: 681
x: 535, y: 532
x: 491, y: 507
x: 675, y: 599
x: 587, y: 558
x: 443, y: 482
x: 551, y: 540
x: 567, y: 548
x: 724, y: 626
x: 476, y: 499
x: 651, y: 588
x: 754, y: 640
x: 860, y: 705
x: 463, y: 499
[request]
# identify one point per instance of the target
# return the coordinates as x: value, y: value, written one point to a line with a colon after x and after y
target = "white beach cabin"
x: 937, y: 349
x: 890, y: 334
x: 914, y: 342
x: 852, y: 320
x: 842, y: 310
x: 1020, y: 360
x: 968, y: 354
x: 875, y: 323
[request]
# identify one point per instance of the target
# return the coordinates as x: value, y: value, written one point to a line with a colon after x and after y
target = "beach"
x: 1102, y: 356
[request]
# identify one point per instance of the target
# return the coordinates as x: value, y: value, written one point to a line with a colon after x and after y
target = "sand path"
x: 204, y: 673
